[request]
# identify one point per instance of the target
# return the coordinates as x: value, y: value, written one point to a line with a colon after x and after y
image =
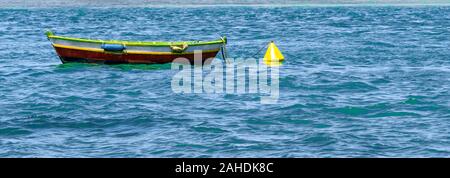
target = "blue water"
x: 365, y: 81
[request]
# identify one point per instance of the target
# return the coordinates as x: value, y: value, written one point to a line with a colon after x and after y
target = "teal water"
x: 369, y: 81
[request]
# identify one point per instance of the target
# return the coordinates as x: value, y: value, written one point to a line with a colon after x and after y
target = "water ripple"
x: 359, y: 81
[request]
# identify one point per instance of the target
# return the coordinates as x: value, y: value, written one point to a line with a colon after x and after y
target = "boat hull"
x: 128, y: 52
x: 68, y: 55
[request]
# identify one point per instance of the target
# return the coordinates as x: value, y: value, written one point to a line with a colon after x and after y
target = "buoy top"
x: 273, y: 56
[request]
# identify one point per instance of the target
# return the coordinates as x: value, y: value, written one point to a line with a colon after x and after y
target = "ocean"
x: 358, y: 81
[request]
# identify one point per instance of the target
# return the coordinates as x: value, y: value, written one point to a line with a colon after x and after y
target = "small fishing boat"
x: 122, y: 52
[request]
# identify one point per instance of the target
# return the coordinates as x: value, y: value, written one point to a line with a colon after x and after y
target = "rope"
x: 224, y: 51
x: 259, y: 51
x: 223, y: 55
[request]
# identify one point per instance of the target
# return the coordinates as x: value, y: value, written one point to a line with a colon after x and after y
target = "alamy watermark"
x: 233, y: 76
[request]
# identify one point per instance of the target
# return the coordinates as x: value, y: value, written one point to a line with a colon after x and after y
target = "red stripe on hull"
x: 117, y: 58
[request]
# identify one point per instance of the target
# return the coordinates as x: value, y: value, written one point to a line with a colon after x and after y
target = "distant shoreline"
x: 213, y: 3
x: 219, y: 5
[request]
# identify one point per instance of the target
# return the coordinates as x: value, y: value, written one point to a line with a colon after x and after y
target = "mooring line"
x: 259, y: 51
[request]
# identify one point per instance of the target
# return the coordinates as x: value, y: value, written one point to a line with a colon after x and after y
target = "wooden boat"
x: 120, y: 52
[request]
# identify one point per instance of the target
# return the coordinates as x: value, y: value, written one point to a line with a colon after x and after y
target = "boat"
x: 71, y: 49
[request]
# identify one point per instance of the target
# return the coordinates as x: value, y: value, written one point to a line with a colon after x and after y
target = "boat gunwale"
x: 139, y: 43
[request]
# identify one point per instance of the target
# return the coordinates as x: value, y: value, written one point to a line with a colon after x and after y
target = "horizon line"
x: 182, y: 5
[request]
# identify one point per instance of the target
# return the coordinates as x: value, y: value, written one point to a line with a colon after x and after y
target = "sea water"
x: 358, y: 81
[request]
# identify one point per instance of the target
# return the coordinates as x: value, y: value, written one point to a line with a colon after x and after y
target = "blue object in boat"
x: 113, y: 47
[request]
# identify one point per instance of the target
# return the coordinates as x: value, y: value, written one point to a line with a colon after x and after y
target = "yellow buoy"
x: 273, y: 55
